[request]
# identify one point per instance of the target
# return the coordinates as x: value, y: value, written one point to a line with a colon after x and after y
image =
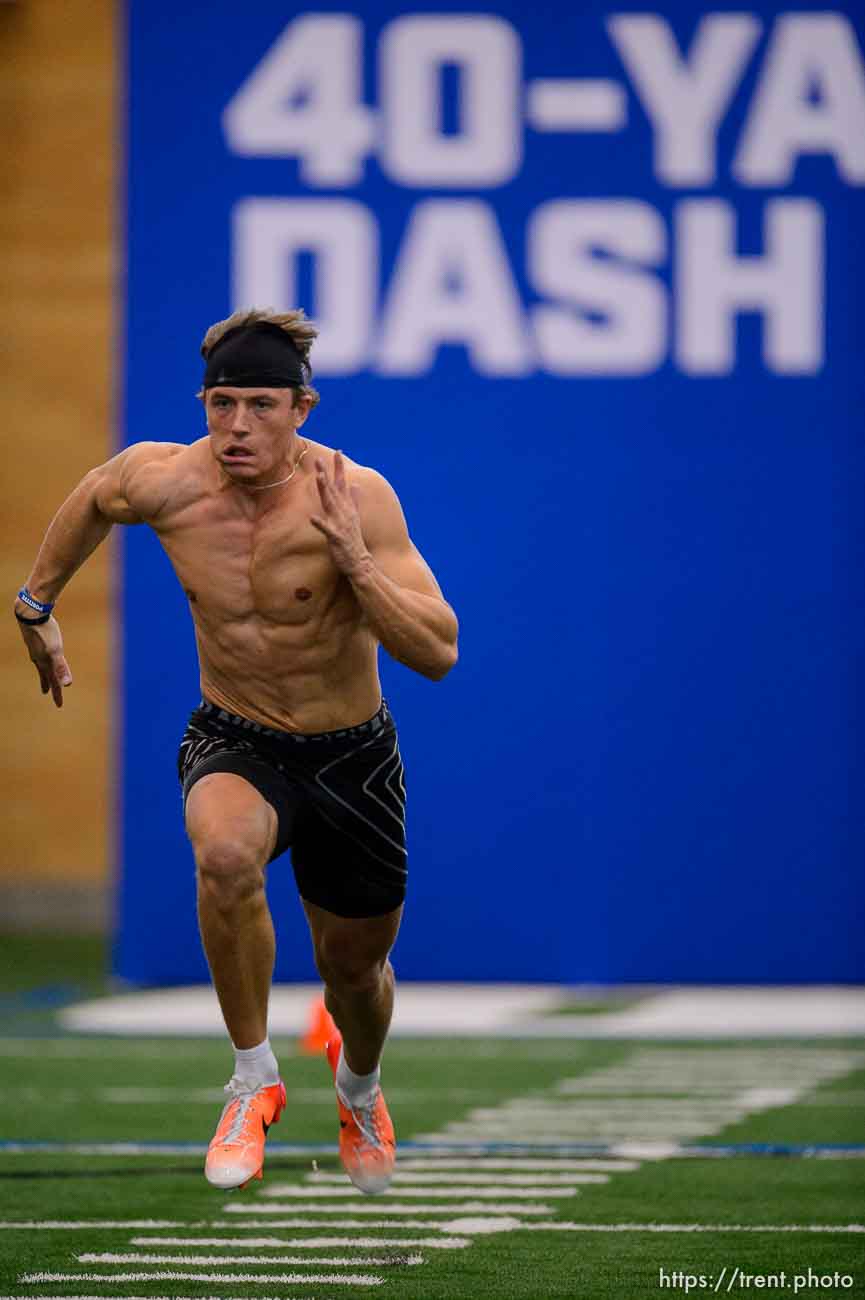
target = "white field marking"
x: 464, y: 1207
x: 46, y: 1225
x: 479, y: 1180
x: 651, y: 1105
x: 310, y: 1243
x: 553, y: 1111
x: 562, y: 1124
x: 444, y: 1192
x: 767, y: 1098
x: 283, y: 1279
x: 200, y: 1261
x: 612, y: 1133
x: 623, y: 1137
x: 640, y: 1088
x: 647, y: 1150
x: 719, y: 1071
x: 585, y: 1130
x: 484, y: 1227
x: 133, y: 1095
x: 732, y: 1062
x: 494, y: 1162
x: 468, y: 1152
x: 567, y: 1116
x: 468, y: 1224
x: 742, y: 1081
x: 567, y: 1121
x: 692, y: 1070
x: 566, y: 1124
x: 695, y: 1227
x: 360, y: 1225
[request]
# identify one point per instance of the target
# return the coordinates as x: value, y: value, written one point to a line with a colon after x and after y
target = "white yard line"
x: 52, y: 1225
x: 313, y: 1243
x: 695, y: 1227
x: 201, y: 1261
x: 425, y: 1178
x: 134, y: 1095
x: 494, y: 1162
x: 475, y: 1225
x: 741, y: 1080
x: 648, y: 1150
x: 311, y: 1193
x: 282, y: 1279
x: 655, y: 1106
x: 464, y: 1207
x: 528, y: 1131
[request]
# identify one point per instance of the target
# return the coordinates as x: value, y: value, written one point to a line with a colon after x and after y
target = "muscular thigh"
x: 225, y: 809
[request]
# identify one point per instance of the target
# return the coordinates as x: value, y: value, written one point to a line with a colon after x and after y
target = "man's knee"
x: 349, y: 971
x: 230, y: 870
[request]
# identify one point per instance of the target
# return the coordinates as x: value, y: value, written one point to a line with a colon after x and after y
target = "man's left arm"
x: 393, y: 584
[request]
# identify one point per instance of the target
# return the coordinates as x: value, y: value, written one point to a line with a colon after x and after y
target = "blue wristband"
x: 24, y: 595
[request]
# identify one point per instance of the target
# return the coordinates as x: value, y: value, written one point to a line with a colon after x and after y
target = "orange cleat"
x: 236, y: 1154
x: 367, y: 1147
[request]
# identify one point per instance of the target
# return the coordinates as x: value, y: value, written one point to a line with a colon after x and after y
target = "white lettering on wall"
x: 304, y: 100
x: 714, y: 285
x: 563, y: 239
x: 487, y: 147
x: 453, y: 284
x: 342, y: 237
x: 685, y: 98
x: 605, y: 309
x: 810, y: 99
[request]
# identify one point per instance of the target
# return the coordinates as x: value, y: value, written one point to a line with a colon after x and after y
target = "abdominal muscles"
x: 317, y: 673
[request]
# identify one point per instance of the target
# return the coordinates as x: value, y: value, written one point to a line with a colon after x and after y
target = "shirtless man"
x: 297, y: 564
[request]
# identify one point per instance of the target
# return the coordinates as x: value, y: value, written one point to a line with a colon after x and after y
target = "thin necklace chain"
x: 260, y: 487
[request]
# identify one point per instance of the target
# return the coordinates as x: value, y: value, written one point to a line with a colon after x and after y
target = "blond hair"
x: 301, y: 331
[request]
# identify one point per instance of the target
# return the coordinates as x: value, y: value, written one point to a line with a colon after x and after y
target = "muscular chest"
x: 235, y: 565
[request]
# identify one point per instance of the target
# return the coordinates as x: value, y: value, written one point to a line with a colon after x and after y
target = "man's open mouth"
x: 237, y: 453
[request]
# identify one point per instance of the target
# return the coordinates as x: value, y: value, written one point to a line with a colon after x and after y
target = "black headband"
x: 256, y: 356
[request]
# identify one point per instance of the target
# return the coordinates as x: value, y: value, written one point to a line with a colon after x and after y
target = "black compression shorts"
x: 339, y: 798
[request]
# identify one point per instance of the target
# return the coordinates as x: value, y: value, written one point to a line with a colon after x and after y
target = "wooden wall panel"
x: 58, y: 347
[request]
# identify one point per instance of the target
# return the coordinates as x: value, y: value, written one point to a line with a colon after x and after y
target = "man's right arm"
x: 84, y: 520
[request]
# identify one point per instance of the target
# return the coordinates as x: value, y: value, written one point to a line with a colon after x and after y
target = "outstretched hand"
x: 45, y: 647
x: 340, y: 520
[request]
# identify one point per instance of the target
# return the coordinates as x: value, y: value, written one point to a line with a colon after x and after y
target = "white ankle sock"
x: 355, y: 1089
x: 256, y: 1067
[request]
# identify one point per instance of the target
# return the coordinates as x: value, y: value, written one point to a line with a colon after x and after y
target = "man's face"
x: 252, y: 429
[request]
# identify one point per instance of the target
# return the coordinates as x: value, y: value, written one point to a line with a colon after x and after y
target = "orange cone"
x: 320, y: 1028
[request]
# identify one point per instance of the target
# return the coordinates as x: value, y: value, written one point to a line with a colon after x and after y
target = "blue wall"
x: 632, y: 456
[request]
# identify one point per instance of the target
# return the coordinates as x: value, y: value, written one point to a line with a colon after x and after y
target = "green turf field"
x: 474, y: 1210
